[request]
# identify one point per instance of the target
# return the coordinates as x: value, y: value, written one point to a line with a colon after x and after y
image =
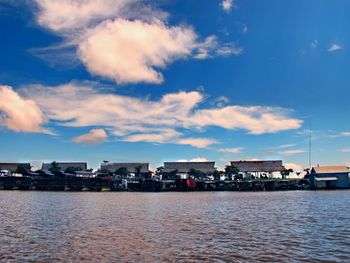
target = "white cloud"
x: 159, y: 121
x: 314, y: 44
x: 95, y: 136
x: 290, y: 152
x: 197, y: 159
x: 229, y: 49
x: 18, y: 114
x: 231, y: 150
x: 335, y: 47
x: 212, y: 48
x: 197, y: 142
x: 280, y: 151
x: 296, y: 169
x: 345, y: 150
x: 244, y: 29
x: 227, y: 5
x: 124, y: 40
x: 219, y: 101
x: 283, y: 146
x: 161, y: 136
x: 131, y: 51
x: 70, y: 15
x: 255, y: 119
x: 341, y: 134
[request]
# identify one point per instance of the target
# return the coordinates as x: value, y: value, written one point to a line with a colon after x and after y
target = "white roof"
x: 324, y: 179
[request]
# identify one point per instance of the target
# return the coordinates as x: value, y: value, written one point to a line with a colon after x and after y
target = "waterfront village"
x: 268, y: 175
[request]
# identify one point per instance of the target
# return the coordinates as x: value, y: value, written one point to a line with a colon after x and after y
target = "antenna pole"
x: 310, y: 148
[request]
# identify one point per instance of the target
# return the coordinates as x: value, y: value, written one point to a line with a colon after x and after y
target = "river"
x: 295, y: 226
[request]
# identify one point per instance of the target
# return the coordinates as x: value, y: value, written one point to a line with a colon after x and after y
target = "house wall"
x: 343, y: 180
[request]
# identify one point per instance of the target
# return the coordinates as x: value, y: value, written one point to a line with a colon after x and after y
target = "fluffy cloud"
x: 159, y: 136
x: 18, y: 114
x: 197, y: 142
x: 244, y: 29
x: 314, y: 44
x: 296, y: 167
x: 335, y: 47
x: 290, y: 152
x: 160, y: 121
x: 70, y: 15
x: 255, y: 119
x: 345, y: 150
x: 283, y: 153
x: 341, y: 134
x: 227, y: 5
x: 130, y: 51
x: 283, y: 146
x: 231, y: 150
x: 125, y: 40
x: 197, y: 159
x: 212, y: 48
x: 95, y: 136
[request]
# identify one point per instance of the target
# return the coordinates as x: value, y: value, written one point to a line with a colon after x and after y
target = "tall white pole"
x: 310, y: 148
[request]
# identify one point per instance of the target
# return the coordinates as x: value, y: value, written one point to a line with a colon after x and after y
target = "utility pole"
x: 310, y: 147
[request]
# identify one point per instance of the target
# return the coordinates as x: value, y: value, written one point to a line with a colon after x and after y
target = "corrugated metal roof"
x: 112, y: 167
x: 184, y: 167
x: 330, y: 169
x: 13, y: 166
x: 259, y: 166
x: 325, y: 179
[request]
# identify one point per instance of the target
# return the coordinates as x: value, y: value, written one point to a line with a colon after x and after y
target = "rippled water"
x: 182, y: 227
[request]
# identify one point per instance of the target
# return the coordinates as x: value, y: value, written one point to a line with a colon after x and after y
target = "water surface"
x: 182, y: 227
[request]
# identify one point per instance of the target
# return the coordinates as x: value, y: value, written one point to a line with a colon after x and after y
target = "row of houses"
x: 319, y: 177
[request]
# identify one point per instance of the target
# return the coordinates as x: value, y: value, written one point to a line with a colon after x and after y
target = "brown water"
x: 168, y: 227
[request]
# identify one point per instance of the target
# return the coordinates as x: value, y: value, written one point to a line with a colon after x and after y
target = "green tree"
x: 122, y: 171
x: 231, y: 170
x: 72, y: 169
x: 159, y: 171
x: 54, y: 167
x: 22, y: 169
x: 172, y: 174
x: 138, y: 171
x: 194, y: 173
x: 217, y: 174
x: 286, y: 173
x: 103, y: 171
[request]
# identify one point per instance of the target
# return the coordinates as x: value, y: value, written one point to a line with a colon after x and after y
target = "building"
x: 13, y: 167
x: 258, y: 168
x: 131, y: 168
x: 62, y: 166
x: 182, y: 169
x: 329, y: 177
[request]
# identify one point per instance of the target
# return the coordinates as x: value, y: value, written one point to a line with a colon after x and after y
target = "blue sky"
x: 126, y: 80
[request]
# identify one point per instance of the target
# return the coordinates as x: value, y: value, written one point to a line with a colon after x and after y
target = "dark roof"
x: 184, y: 167
x: 329, y: 169
x: 12, y: 167
x: 112, y: 167
x: 259, y: 166
x: 65, y: 165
